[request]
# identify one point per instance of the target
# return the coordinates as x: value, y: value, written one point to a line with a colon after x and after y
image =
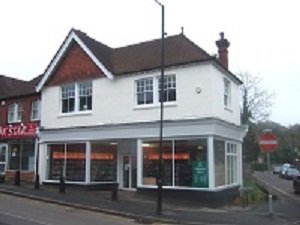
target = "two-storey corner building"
x: 101, y: 111
x: 19, y: 120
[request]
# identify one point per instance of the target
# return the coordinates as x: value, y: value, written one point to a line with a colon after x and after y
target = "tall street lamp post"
x: 162, y: 81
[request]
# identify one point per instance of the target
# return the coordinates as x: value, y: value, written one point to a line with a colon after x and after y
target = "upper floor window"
x: 169, y: 88
x: 144, y: 91
x: 68, y: 98
x: 15, y: 113
x: 76, y: 97
x: 35, y: 110
x: 85, y: 96
x: 148, y: 90
x: 227, y: 93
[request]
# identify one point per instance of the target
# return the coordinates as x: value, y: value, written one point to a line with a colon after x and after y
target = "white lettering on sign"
x: 268, y: 142
x: 18, y: 131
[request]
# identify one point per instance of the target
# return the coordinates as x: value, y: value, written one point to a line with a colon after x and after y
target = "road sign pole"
x: 270, y: 197
x: 268, y: 142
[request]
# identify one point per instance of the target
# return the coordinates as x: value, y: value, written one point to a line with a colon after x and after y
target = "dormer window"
x: 14, y: 113
x: 76, y: 97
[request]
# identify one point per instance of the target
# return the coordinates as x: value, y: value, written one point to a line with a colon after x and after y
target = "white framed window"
x: 68, y: 98
x: 169, y: 88
x: 144, y: 91
x: 147, y: 90
x: 14, y: 113
x: 227, y: 93
x: 231, y: 163
x: 77, y: 97
x: 35, y: 110
x: 85, y: 96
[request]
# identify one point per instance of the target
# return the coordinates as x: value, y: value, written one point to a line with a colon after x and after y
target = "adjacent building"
x: 100, y: 116
x: 19, y: 121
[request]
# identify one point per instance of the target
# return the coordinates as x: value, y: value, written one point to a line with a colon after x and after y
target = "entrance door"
x: 129, y: 172
x: 3, y: 158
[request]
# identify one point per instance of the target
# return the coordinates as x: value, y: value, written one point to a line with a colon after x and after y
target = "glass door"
x: 3, y: 158
x: 129, y: 172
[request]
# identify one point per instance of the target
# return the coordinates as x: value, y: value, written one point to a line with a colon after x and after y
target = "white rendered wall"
x: 114, y: 100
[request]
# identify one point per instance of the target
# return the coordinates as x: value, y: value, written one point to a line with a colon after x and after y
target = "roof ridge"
x: 144, y: 42
x: 89, y: 37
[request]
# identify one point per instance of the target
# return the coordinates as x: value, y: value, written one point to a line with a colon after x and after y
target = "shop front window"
x: 104, y: 162
x: 231, y: 163
x: 66, y: 160
x: 75, y: 162
x: 56, y: 161
x: 219, y: 150
x: 14, y: 156
x: 184, y: 163
x: 21, y: 156
x: 191, y: 169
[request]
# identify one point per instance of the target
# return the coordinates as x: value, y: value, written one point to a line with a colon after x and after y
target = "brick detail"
x: 74, y: 66
x: 26, y: 103
x: 25, y: 176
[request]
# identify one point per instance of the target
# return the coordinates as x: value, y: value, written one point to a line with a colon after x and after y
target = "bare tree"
x: 256, y: 101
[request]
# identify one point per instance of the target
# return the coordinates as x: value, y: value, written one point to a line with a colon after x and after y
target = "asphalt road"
x: 20, y: 211
x: 278, y: 186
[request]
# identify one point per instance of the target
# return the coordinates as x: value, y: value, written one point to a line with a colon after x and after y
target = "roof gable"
x: 72, y: 37
x: 75, y: 65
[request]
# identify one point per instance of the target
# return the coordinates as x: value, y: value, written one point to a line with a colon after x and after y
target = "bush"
x: 256, y: 194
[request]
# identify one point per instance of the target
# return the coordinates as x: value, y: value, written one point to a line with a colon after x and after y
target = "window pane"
x: 104, y: 162
x: 144, y: 91
x: 68, y: 98
x: 35, y: 110
x: 219, y: 150
x: 56, y: 161
x: 85, y: 96
x: 75, y: 162
x: 151, y: 160
x: 11, y: 113
x: 169, y: 88
x: 71, y: 105
x: 14, y: 156
x: 231, y: 170
x: 27, y: 156
x: 191, y: 169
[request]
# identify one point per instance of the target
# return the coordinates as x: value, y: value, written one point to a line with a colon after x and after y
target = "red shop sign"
x: 18, y: 131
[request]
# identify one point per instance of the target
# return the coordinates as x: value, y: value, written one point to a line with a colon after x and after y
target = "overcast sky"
x: 264, y: 35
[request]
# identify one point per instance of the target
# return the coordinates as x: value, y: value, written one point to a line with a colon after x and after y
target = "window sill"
x: 34, y: 120
x: 151, y: 106
x: 84, y: 113
x: 14, y: 122
x: 227, y: 109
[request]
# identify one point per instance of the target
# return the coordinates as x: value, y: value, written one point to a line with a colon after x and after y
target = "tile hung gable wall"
x: 74, y: 66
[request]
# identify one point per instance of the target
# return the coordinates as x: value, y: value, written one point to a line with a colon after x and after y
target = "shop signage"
x: 169, y: 156
x: 81, y: 156
x: 199, y: 174
x: 18, y: 131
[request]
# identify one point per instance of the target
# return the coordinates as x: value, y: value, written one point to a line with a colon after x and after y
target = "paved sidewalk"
x: 142, y: 207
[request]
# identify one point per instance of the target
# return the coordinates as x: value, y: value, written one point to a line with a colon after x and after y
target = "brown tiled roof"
x: 145, y: 56
x: 11, y: 87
